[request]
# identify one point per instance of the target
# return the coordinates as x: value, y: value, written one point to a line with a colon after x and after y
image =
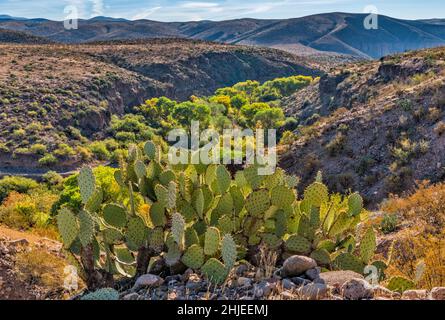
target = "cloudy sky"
x: 183, y: 10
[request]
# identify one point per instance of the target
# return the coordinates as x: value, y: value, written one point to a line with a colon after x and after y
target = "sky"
x: 192, y: 10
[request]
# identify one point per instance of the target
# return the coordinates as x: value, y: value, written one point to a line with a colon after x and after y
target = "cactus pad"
x: 228, y: 251
x: 157, y: 214
x: 87, y: 183
x: 115, y: 215
x: 252, y: 177
x: 321, y: 256
x: 166, y: 177
x: 222, y: 180
x: 355, y: 204
x: 112, y: 236
x: 193, y: 257
x: 95, y: 201
x: 258, y: 202
x: 178, y: 228
x: 199, y: 202
x: 156, y: 239
x: 102, y: 294
x: 368, y: 245
x: 136, y: 231
x: 316, y: 194
x: 68, y: 228
x: 211, y: 241
x: 226, y: 224
x: 271, y: 240
x: 191, y: 237
x: 150, y: 150
x: 214, y: 270
x: 86, y: 228
x: 298, y: 244
x: 282, y: 196
x: 400, y: 284
x: 347, y: 261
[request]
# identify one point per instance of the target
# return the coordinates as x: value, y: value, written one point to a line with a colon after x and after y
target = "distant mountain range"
x: 341, y: 33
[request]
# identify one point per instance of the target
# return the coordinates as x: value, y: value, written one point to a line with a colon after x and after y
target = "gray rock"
x: 241, y: 269
x: 288, y: 284
x: 337, y: 278
x: 415, y: 295
x: 313, y: 273
x: 357, y: 289
x: 244, y: 282
x: 297, y: 265
x: 147, y: 280
x: 313, y: 291
x: 263, y: 289
x: 299, y: 281
x: 131, y: 296
x: 438, y: 293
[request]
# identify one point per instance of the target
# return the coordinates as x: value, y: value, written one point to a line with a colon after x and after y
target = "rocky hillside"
x: 375, y: 127
x: 341, y: 33
x: 50, y: 92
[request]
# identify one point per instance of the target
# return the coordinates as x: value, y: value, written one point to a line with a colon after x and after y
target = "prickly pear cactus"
x: 86, y: 228
x: 215, y: 271
x: 258, y: 202
x: 400, y: 284
x: 212, y: 241
x: 102, y: 294
x: 194, y: 257
x: 228, y: 251
x: 298, y: 244
x: 347, y: 261
x: 368, y: 245
x: 316, y: 194
x: 68, y: 227
x: 115, y: 215
x: 87, y: 183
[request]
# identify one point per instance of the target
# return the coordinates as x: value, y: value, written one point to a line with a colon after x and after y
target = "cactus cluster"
x: 198, y: 216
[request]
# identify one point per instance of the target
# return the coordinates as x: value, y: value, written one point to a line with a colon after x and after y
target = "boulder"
x: 438, y: 293
x: 313, y: 291
x: 357, y: 289
x: 297, y: 265
x: 415, y: 295
x: 147, y: 280
x: 337, y: 278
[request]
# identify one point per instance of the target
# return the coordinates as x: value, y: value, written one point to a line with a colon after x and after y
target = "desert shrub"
x: 48, y: 160
x: 337, y: 144
x: 288, y: 138
x: 63, y: 151
x: 99, y: 149
x: 38, y: 148
x: 238, y: 101
x: 27, y: 211
x: 389, y: 223
x: 18, y: 133
x: 271, y: 118
x: 426, y: 206
x: 434, y: 114
x: 399, y: 180
x: 52, y: 179
x: 18, y: 184
x: 439, y: 129
x: 4, y: 148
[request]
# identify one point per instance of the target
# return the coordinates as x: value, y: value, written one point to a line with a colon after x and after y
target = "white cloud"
x: 199, y: 5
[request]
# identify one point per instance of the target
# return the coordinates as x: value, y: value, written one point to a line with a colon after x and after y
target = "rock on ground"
x: 147, y: 280
x: 438, y: 293
x: 313, y: 291
x: 357, y: 289
x: 297, y: 265
x: 337, y: 278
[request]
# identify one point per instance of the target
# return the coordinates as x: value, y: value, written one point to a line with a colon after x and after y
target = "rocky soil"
x: 299, y: 279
